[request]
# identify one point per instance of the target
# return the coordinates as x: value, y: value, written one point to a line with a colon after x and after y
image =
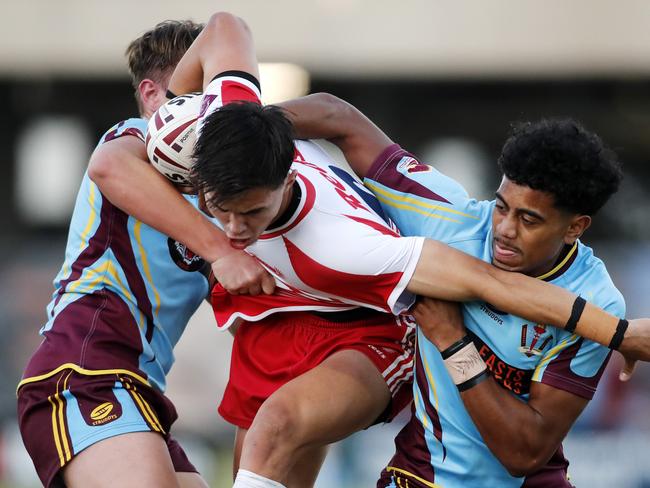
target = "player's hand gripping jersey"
x: 440, y: 444
x: 331, y: 251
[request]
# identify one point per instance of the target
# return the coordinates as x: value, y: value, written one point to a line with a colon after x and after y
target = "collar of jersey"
x: 308, y: 196
x: 563, y: 264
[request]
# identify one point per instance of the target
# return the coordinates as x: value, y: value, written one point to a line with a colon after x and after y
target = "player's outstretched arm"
x: 448, y: 274
x: 123, y: 174
x: 324, y: 116
x: 225, y: 44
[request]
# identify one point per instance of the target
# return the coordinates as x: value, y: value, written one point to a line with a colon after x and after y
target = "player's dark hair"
x: 242, y: 146
x: 561, y: 157
x: 156, y: 53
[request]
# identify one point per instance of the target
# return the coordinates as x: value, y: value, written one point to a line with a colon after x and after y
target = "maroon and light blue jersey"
x: 124, y: 294
x: 440, y: 446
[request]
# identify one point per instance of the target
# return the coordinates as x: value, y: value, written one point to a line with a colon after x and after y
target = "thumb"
x: 268, y: 284
x: 628, y: 369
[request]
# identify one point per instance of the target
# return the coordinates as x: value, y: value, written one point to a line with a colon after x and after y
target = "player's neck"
x: 288, y: 208
x: 552, y: 263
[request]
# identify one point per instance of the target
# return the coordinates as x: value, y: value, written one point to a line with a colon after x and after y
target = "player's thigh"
x: 135, y: 460
x: 343, y: 394
x: 308, y: 463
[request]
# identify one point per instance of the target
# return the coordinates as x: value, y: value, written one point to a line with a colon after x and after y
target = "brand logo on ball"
x: 184, y: 257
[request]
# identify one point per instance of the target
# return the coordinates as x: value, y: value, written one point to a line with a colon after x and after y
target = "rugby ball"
x: 171, y: 135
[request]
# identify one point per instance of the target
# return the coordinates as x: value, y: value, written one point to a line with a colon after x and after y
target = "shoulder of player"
x: 588, y: 277
x: 129, y: 127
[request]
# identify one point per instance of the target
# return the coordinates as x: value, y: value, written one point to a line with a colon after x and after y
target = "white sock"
x: 248, y: 479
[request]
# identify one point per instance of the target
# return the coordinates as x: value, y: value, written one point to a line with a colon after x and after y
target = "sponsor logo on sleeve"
x: 410, y: 165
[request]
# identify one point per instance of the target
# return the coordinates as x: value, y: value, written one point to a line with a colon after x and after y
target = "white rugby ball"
x: 171, y: 135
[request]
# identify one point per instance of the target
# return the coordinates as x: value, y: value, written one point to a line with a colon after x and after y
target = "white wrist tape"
x: 465, y: 364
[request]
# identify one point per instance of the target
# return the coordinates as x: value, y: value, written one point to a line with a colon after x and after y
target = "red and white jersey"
x: 333, y: 253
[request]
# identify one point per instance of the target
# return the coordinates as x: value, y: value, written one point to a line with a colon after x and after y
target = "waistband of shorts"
x: 82, y: 371
x: 352, y: 315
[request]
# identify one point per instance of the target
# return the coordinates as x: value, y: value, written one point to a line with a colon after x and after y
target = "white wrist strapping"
x: 464, y: 364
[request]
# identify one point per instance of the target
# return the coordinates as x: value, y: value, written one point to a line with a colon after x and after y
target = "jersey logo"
x: 509, y: 376
x: 411, y: 165
x: 530, y: 341
x: 492, y: 312
x: 184, y: 257
x: 102, y: 414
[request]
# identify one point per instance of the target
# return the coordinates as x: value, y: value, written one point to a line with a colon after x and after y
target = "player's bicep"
x: 325, y: 116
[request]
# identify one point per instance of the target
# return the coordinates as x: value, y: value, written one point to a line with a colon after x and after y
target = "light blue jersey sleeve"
x: 422, y: 201
x: 575, y: 364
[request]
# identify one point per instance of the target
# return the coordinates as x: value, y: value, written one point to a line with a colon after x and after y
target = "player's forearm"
x: 130, y: 183
x: 324, y: 116
x: 516, y: 434
x: 443, y: 272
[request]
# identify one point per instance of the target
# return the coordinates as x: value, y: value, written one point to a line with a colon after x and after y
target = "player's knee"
x: 276, y: 426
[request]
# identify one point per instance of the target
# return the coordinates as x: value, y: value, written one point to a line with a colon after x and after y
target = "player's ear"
x: 578, y: 225
x: 152, y: 96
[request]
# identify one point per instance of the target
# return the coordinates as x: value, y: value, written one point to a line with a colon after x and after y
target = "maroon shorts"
x: 272, y: 352
x: 61, y: 415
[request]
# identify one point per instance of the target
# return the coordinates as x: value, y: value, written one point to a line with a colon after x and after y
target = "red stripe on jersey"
x: 132, y: 131
x: 375, y: 225
x: 373, y: 290
x: 235, y: 91
x: 171, y: 137
x: 163, y: 156
x: 309, y: 198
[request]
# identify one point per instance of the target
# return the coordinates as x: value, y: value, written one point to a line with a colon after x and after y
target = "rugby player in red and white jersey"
x: 250, y: 174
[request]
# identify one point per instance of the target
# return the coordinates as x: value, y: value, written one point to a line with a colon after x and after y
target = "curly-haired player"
x: 527, y: 382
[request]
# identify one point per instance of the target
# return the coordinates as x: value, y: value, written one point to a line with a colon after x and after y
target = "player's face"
x: 529, y: 232
x: 247, y: 215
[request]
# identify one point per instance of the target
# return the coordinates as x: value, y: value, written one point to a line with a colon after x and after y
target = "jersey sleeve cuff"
x: 391, y: 154
x: 240, y: 74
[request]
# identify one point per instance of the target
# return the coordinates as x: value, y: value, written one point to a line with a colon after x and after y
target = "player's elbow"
x: 102, y: 167
x: 223, y: 21
x: 336, y: 113
x: 525, y: 462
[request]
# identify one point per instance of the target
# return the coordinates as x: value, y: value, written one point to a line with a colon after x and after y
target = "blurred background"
x: 445, y: 79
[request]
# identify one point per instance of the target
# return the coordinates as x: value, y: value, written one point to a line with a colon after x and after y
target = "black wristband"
x: 470, y: 383
x: 617, y: 338
x: 576, y: 312
x: 170, y: 94
x: 455, y: 347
